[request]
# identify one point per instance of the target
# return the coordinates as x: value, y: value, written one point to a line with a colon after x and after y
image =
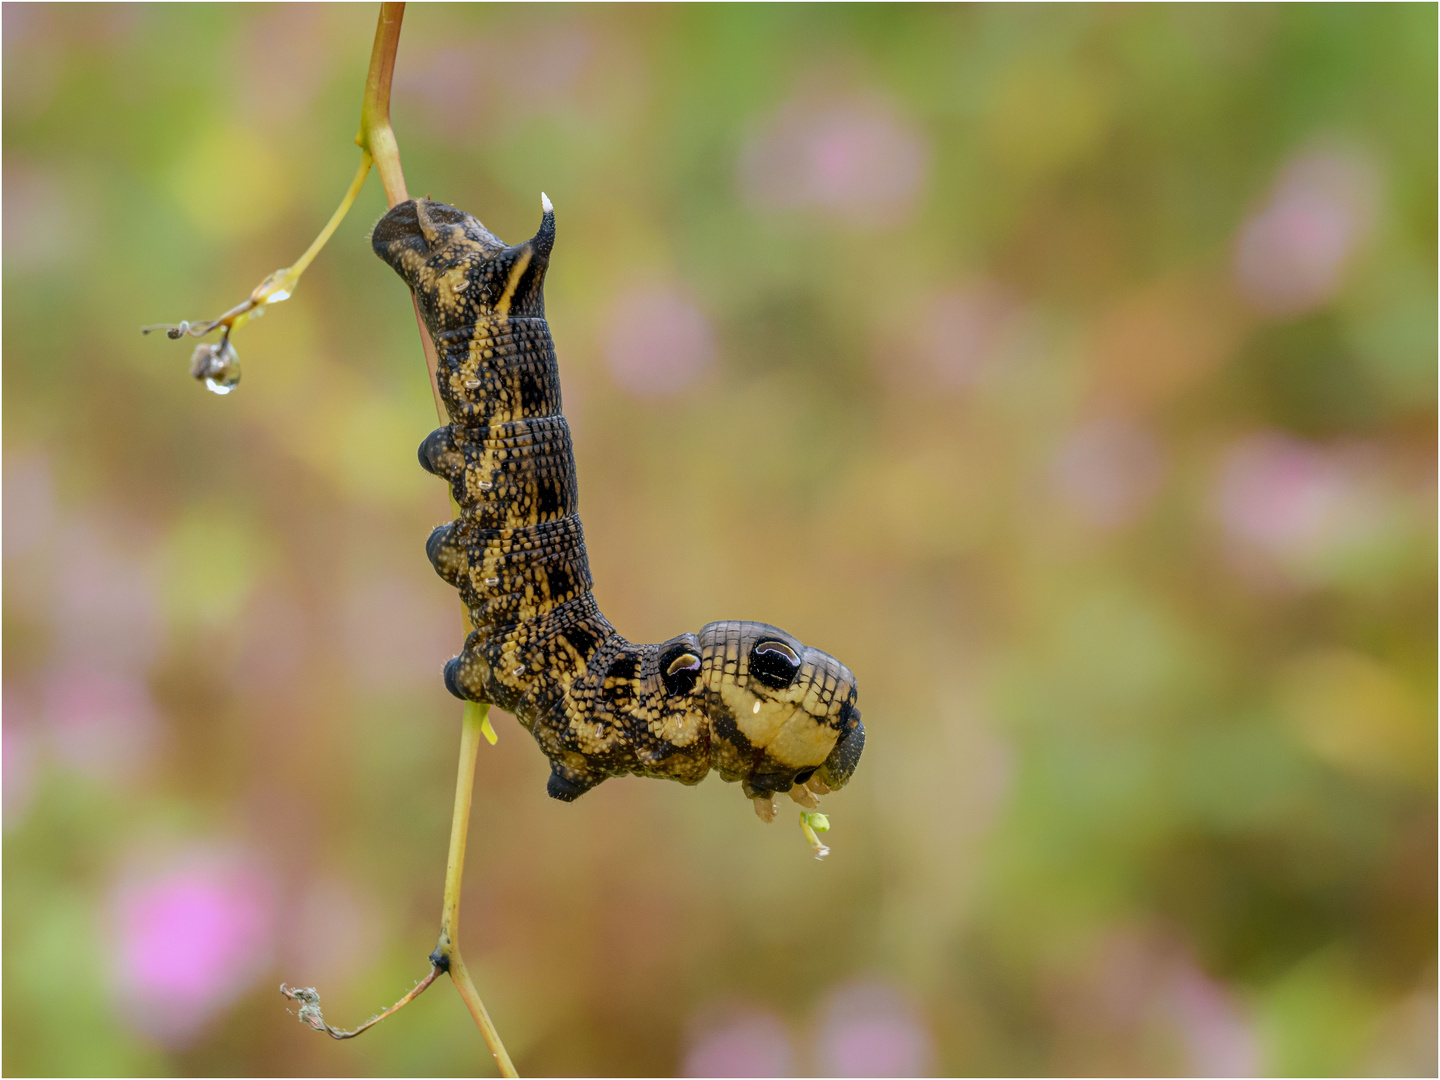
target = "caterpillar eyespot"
x: 683, y: 662
x: 774, y: 663
x: 598, y: 705
x: 681, y: 667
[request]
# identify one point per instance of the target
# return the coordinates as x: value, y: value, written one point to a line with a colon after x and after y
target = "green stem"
x: 447, y: 951
x: 375, y: 135
x: 377, y: 138
x: 301, y: 264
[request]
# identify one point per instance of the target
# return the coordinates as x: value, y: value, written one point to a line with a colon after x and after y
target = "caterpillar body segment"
x: 743, y: 698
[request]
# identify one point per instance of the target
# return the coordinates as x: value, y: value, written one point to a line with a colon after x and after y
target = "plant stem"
x: 377, y: 139
x: 310, y: 1006
x: 299, y: 266
x: 279, y: 284
x: 375, y: 135
x: 447, y: 951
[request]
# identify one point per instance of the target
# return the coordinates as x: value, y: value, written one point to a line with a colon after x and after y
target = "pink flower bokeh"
x: 103, y: 725
x: 871, y: 1028
x: 1142, y: 991
x: 1308, y: 508
x: 1291, y: 254
x: 743, y: 1042
x: 189, y: 939
x: 504, y: 77
x: 1218, y: 1039
x: 854, y: 158
x: 1108, y: 471
x: 960, y: 336
x: 658, y: 343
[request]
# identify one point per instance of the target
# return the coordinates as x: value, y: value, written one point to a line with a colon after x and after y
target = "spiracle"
x: 744, y: 698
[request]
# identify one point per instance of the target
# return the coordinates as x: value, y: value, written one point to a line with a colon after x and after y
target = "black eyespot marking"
x: 679, y: 669
x: 774, y: 663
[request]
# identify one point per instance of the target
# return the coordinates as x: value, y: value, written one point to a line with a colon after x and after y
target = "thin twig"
x: 309, y: 1012
x: 279, y: 284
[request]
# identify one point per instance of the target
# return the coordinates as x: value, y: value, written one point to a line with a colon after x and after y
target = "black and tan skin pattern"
x: 744, y: 698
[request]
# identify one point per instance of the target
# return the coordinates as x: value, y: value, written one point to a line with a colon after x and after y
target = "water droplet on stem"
x: 217, y: 366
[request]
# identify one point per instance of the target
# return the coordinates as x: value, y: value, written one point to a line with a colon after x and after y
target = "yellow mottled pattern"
x: 743, y: 698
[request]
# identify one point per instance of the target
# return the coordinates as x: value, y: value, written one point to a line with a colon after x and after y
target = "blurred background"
x: 1070, y: 372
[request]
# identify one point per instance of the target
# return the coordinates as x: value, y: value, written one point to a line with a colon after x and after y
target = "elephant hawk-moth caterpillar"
x: 744, y: 698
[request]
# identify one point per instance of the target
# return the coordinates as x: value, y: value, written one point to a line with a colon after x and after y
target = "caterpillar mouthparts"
x: 744, y: 698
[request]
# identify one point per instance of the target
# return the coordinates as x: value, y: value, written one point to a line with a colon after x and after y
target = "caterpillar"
x: 744, y: 698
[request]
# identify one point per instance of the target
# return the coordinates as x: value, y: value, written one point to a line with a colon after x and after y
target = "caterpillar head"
x: 781, y: 713
x: 459, y: 271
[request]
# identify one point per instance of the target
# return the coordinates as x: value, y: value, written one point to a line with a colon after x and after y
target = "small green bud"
x: 810, y: 822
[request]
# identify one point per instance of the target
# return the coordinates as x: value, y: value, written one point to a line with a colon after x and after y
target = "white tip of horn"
x: 545, y: 203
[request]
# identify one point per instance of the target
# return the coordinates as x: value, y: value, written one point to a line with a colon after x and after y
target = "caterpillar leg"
x: 567, y: 784
x: 802, y: 794
x: 764, y: 807
x: 840, y: 765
